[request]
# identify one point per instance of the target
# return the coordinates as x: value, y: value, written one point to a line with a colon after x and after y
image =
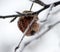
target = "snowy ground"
x: 10, y: 34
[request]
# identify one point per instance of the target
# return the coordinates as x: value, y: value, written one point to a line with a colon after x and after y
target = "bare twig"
x: 13, y: 19
x: 25, y: 33
x: 37, y: 12
x: 39, y: 2
x: 26, y: 28
x: 31, y: 6
x: 45, y: 7
x: 10, y: 16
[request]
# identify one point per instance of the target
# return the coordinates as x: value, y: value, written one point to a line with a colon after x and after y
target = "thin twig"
x: 25, y: 33
x: 26, y: 28
x: 37, y: 12
x: 10, y: 16
x: 31, y: 6
x: 45, y: 7
x: 13, y: 19
x: 39, y: 2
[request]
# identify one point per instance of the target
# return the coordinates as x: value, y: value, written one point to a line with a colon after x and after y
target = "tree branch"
x: 40, y: 35
x: 50, y: 8
x: 13, y: 19
x: 39, y: 2
x: 49, y: 28
x: 37, y: 12
x: 46, y: 6
x: 10, y: 16
x: 43, y: 4
x: 25, y: 33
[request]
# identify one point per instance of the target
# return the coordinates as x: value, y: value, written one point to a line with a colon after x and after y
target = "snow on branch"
x: 43, y: 33
x: 50, y: 9
x: 49, y: 28
x: 34, y: 13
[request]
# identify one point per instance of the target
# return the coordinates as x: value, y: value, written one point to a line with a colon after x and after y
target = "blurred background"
x: 10, y: 34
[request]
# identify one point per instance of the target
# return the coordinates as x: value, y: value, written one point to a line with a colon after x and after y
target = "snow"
x: 10, y: 34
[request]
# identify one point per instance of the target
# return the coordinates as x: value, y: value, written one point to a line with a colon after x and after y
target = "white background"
x: 10, y: 34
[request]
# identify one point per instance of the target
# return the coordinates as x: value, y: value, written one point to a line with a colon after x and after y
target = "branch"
x: 39, y: 2
x: 13, y: 19
x: 43, y: 33
x: 45, y: 7
x: 49, y: 28
x: 43, y: 4
x: 34, y: 13
x: 10, y: 16
x: 15, y: 16
x: 25, y: 33
x: 50, y: 8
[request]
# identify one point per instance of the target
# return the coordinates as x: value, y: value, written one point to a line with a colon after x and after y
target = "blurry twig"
x: 25, y: 33
x: 50, y: 8
x: 46, y: 6
x: 39, y: 2
x: 31, y: 6
x: 34, y: 13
